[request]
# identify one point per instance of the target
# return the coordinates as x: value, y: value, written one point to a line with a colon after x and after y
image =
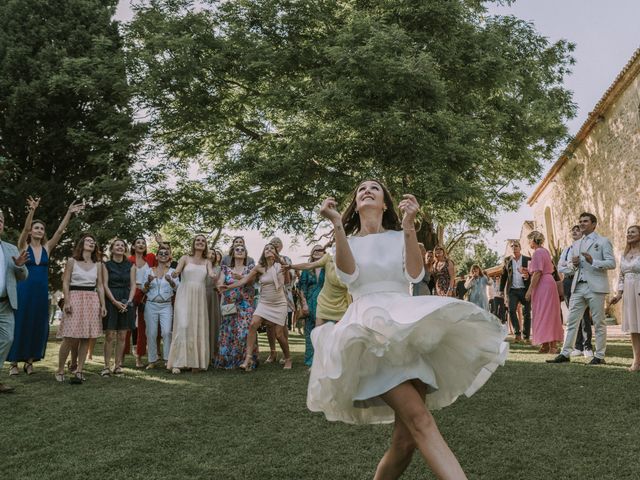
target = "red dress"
x: 139, y: 301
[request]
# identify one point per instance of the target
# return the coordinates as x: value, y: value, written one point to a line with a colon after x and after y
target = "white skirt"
x: 385, y: 339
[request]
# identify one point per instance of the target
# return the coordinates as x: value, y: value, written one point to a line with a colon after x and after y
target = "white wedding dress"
x: 387, y: 337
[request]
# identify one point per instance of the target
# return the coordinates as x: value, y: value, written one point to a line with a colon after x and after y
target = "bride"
x: 393, y: 357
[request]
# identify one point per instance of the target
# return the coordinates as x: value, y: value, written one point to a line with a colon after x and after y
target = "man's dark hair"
x: 591, y: 216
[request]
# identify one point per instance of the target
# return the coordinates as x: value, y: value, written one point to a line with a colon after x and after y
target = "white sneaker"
x: 576, y: 353
x: 588, y: 353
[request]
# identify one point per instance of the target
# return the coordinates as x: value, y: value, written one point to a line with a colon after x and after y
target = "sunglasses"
x: 163, y: 254
x: 239, y: 250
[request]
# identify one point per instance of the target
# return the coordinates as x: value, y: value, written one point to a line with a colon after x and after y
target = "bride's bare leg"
x: 410, y: 408
x: 396, y: 460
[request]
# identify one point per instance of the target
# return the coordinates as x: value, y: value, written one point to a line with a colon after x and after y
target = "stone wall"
x: 602, y: 176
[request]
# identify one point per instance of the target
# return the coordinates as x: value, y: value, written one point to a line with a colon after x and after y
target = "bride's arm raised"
x: 344, y: 257
x: 414, y: 264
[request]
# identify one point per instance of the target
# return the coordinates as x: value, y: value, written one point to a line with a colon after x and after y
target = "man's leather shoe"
x: 6, y: 388
x: 559, y: 359
x: 596, y: 361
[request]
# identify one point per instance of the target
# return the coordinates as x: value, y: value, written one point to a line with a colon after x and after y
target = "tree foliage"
x: 289, y: 101
x: 476, y: 253
x: 66, y: 120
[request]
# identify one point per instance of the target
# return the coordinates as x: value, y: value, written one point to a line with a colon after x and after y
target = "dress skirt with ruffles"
x: 387, y: 337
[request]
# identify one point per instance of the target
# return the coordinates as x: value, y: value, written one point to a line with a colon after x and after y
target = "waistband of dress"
x: 631, y: 275
x: 381, y: 287
x: 82, y: 288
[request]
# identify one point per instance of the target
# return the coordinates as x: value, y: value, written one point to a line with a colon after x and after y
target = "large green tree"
x: 67, y: 126
x: 289, y: 101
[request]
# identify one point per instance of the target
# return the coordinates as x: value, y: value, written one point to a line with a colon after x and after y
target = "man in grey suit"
x: 12, y: 270
x: 592, y: 257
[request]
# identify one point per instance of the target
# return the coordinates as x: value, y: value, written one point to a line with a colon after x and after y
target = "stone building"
x: 599, y: 171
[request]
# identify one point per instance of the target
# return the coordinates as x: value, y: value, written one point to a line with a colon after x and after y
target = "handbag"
x: 228, y: 309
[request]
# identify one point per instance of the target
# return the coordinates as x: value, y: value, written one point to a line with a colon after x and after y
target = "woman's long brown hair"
x: 351, y: 218
x: 79, y: 248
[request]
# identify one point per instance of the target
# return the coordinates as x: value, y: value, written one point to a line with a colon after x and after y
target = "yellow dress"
x: 334, y: 298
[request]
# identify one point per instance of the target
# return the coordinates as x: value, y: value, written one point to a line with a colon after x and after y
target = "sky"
x: 605, y: 34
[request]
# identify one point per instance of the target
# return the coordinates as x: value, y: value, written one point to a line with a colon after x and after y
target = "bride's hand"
x: 329, y: 210
x: 409, y: 207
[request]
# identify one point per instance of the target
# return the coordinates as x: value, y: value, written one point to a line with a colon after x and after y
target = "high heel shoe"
x: 272, y: 358
x: 288, y: 364
x: 247, y: 365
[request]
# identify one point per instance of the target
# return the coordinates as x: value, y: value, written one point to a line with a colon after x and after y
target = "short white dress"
x: 387, y: 337
x: 630, y: 284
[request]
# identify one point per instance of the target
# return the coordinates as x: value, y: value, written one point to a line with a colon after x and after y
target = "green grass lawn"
x: 531, y: 421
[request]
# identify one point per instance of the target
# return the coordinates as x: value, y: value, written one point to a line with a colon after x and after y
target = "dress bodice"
x: 84, y: 278
x: 193, y: 273
x: 273, y: 276
x: 31, y: 261
x: 629, y: 269
x: 380, y: 265
x: 119, y: 273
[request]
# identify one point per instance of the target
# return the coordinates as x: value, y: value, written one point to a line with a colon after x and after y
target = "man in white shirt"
x: 515, y: 280
x: 12, y: 270
x: 592, y: 257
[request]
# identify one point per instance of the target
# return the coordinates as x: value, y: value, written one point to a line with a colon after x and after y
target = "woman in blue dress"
x: 32, y: 317
x: 310, y: 285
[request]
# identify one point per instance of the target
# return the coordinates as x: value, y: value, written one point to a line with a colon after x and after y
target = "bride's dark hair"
x: 351, y: 218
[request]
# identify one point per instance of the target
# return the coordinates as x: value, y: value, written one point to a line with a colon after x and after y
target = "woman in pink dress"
x: 543, y: 294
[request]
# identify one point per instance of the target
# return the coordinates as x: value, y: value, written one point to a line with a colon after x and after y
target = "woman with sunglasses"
x: 159, y: 289
x: 272, y: 307
x: 236, y: 242
x: 237, y: 312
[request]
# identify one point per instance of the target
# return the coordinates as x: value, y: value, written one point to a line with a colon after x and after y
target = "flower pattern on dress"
x: 232, y: 335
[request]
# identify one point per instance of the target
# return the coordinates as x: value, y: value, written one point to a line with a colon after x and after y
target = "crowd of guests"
x: 206, y: 309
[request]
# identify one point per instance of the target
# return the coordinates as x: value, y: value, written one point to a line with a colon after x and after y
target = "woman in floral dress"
x: 234, y: 326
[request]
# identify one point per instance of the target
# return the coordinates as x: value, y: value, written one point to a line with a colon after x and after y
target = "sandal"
x: 28, y: 368
x: 272, y: 358
x: 105, y: 372
x: 288, y: 364
x: 118, y: 371
x: 14, y: 370
x: 77, y: 379
x: 247, y: 365
x: 59, y: 377
x: 176, y: 371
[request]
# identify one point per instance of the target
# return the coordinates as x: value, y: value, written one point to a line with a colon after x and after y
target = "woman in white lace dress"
x: 629, y: 292
x: 392, y: 352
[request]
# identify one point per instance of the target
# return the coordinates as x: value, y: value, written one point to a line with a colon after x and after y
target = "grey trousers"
x: 6, y: 330
x: 581, y: 299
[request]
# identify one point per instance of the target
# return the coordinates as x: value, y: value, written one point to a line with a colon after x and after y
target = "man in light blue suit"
x: 12, y: 270
x: 592, y: 258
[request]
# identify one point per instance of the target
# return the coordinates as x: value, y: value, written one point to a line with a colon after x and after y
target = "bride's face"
x: 633, y: 235
x: 370, y: 195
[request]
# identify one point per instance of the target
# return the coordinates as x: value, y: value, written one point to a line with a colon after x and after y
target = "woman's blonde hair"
x: 537, y: 237
x: 628, y: 247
